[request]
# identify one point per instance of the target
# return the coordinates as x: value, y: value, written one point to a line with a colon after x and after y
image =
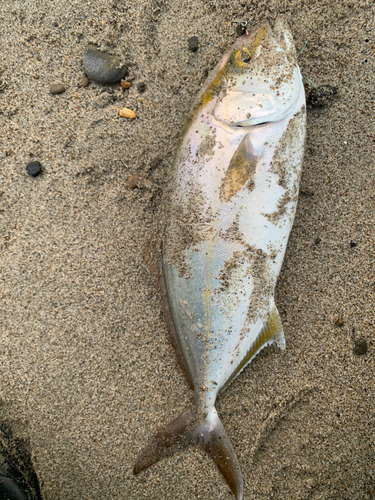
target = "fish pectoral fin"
x: 184, y: 431
x: 241, y: 170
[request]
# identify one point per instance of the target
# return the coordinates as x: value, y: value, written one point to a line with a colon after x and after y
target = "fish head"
x: 257, y: 81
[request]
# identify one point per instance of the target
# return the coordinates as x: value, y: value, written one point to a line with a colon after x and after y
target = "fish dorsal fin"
x: 271, y: 332
x: 151, y: 258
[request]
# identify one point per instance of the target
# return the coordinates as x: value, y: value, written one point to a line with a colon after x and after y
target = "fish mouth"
x: 256, y: 125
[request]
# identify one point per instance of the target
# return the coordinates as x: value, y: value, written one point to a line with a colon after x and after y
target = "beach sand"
x: 87, y: 372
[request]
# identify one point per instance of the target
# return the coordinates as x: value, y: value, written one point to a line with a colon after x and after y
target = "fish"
x: 234, y: 195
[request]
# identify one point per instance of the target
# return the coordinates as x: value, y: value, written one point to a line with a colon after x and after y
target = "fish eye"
x: 245, y: 56
x: 241, y: 57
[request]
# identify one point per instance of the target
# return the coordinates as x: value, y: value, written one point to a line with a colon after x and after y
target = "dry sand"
x: 87, y: 371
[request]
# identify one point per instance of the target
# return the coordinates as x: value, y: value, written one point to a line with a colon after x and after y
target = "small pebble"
x: 124, y: 84
x: 57, y: 88
x: 317, y: 240
x: 193, y: 43
x: 141, y: 87
x: 84, y: 82
x: 127, y: 113
x: 352, y: 244
x: 360, y: 347
x: 339, y: 321
x: 103, y: 67
x: 33, y: 168
x: 322, y: 95
x: 55, y: 24
x: 133, y: 181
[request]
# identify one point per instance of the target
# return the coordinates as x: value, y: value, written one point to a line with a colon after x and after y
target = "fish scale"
x: 235, y: 190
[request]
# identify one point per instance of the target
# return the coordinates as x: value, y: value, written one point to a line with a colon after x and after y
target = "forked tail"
x: 185, y: 430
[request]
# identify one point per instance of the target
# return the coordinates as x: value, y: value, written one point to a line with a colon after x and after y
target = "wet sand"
x: 87, y: 372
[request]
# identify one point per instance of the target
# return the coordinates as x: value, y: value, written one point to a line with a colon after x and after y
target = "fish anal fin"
x: 272, y: 331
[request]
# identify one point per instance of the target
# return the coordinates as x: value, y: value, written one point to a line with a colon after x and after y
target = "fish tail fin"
x: 211, y: 437
x: 165, y: 442
x: 215, y: 441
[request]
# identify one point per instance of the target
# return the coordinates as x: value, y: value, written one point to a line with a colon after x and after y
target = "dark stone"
x: 55, y: 24
x: 360, y: 347
x: 141, y: 87
x: 322, y: 95
x: 18, y: 480
x: 352, y: 244
x: 103, y: 67
x: 57, y: 88
x: 193, y: 43
x: 317, y: 240
x: 9, y: 488
x: 33, y: 168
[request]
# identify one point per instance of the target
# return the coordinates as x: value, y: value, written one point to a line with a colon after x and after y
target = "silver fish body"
x: 234, y: 198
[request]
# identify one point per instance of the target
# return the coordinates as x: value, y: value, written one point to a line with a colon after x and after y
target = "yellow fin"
x: 241, y: 169
x: 272, y: 330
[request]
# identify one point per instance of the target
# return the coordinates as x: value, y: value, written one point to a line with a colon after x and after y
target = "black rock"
x: 55, y: 24
x: 322, y: 95
x: 360, y: 347
x: 193, y: 43
x: 57, y: 88
x: 103, y: 67
x: 33, y: 168
x: 10, y: 489
x: 352, y: 244
x: 141, y: 87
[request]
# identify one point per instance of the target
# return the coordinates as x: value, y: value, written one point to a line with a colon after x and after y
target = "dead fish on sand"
x: 235, y: 193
